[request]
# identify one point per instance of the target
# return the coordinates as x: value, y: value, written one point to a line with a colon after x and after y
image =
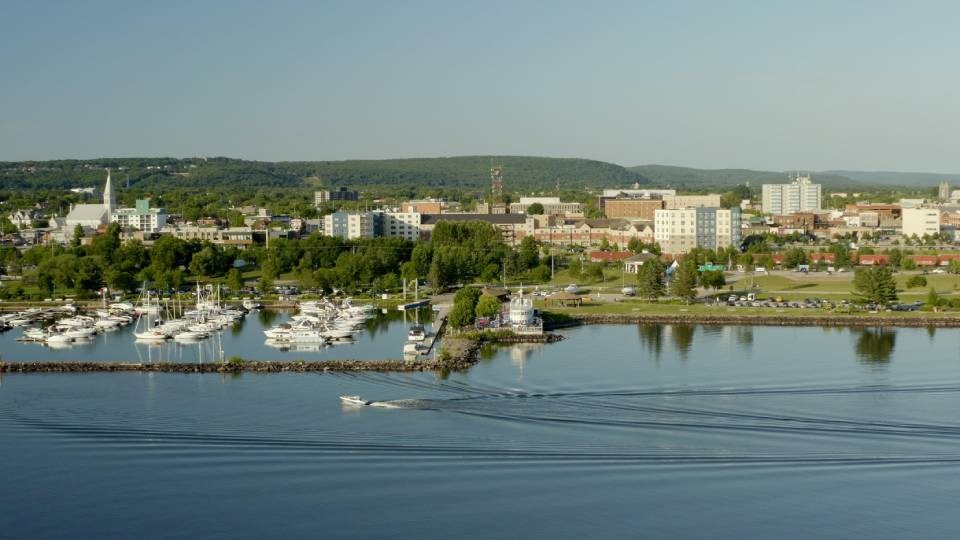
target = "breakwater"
x: 449, y: 364
x: 907, y: 321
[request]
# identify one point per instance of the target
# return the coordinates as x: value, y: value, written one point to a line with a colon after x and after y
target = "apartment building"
x: 339, y: 194
x: 680, y: 230
x: 141, y: 217
x: 800, y: 195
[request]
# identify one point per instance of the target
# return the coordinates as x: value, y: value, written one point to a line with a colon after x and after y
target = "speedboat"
x: 354, y: 400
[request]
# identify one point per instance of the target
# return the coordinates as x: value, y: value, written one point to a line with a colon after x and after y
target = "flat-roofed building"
x: 921, y: 221
x: 800, y: 195
x: 632, y: 208
x: 680, y: 230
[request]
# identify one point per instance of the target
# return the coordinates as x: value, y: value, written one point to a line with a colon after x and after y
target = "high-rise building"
x: 800, y: 195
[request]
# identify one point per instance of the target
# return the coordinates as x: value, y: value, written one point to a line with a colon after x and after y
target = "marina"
x: 378, y: 336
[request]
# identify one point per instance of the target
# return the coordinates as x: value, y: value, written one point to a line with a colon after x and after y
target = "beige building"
x: 920, y: 221
x: 680, y: 230
x: 551, y: 206
x: 632, y: 208
x: 673, y: 202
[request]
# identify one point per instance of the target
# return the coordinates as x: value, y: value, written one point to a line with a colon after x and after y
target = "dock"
x: 413, y: 305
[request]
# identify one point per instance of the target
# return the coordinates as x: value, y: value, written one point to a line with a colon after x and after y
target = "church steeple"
x: 109, y: 198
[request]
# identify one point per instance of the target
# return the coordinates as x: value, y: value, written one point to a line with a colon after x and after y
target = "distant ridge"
x: 520, y: 173
x: 691, y: 178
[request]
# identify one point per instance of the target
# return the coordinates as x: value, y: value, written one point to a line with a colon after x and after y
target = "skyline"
x: 763, y: 86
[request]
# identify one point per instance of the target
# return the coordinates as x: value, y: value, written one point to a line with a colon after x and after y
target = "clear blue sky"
x: 766, y: 84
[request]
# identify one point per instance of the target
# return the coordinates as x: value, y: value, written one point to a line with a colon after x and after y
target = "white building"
x: 680, y: 230
x: 921, y: 221
x: 403, y: 224
x: 141, y: 217
x: 800, y: 195
x: 23, y: 219
x: 349, y: 225
x: 91, y: 216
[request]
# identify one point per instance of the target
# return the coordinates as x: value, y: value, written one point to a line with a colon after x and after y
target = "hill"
x: 520, y: 173
x: 911, y: 179
x: 690, y: 178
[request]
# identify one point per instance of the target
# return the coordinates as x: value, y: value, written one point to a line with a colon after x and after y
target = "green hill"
x: 520, y: 173
x: 689, y: 178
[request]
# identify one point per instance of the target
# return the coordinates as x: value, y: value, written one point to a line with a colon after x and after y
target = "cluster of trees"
x: 651, y: 279
x: 469, y: 304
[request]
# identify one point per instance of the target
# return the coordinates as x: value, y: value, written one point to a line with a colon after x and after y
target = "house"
x: 632, y: 265
x: 609, y: 256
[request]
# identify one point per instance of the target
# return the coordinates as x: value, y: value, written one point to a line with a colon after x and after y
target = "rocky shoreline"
x: 321, y: 366
x: 761, y: 320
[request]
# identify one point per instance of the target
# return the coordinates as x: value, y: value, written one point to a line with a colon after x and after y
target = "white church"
x: 92, y: 216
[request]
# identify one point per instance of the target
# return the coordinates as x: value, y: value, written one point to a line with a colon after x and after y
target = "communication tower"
x: 496, y: 183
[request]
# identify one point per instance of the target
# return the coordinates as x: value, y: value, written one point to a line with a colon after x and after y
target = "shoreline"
x: 859, y: 321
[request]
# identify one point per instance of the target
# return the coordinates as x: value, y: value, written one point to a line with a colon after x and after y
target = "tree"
x: 907, y: 263
x: 933, y: 299
x: 487, y: 306
x: 540, y: 273
x: 683, y: 284
x: 875, y: 285
x: 77, y: 236
x: 535, y: 209
x: 235, y: 280
x: 529, y: 253
x: 715, y: 279
x: 794, y: 257
x: 650, y: 280
x: 954, y: 266
x: 916, y: 281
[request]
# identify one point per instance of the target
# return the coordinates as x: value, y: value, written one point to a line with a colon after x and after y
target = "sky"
x: 778, y: 85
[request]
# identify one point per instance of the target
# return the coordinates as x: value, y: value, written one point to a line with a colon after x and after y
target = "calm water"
x: 382, y: 338
x: 619, y: 431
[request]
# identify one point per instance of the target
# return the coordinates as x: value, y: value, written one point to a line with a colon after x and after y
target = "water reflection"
x: 651, y: 336
x: 682, y: 335
x: 743, y: 335
x: 875, y: 345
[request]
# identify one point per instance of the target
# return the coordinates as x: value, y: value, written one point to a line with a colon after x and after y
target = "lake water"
x: 618, y: 431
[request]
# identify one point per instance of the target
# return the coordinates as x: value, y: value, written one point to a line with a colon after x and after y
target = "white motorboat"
x: 59, y: 338
x: 305, y: 336
x: 188, y: 335
x: 417, y: 333
x: 354, y: 400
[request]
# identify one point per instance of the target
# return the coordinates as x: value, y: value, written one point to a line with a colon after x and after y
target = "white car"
x: 938, y: 271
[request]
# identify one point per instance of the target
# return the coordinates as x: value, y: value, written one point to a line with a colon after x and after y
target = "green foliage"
x: 535, y: 209
x: 683, y: 283
x: 235, y: 280
x: 529, y: 256
x: 487, y: 306
x: 715, y: 279
x: 650, y: 280
x: 908, y: 263
x: 794, y: 257
x: 464, y: 308
x: 875, y: 285
x: 541, y: 273
x: 916, y: 281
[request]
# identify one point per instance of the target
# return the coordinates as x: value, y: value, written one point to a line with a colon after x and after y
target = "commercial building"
x: 514, y: 227
x: 340, y: 194
x: 231, y: 236
x: 921, y: 221
x: 800, y: 195
x: 551, y: 206
x: 141, y: 217
x: 425, y: 206
x: 673, y: 202
x: 680, y: 230
x: 633, y: 208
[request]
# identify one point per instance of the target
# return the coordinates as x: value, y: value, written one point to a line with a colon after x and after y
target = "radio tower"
x: 496, y: 184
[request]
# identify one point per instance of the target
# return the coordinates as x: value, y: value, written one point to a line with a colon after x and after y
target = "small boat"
x: 354, y: 400
x: 412, y: 348
x: 416, y: 333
